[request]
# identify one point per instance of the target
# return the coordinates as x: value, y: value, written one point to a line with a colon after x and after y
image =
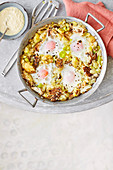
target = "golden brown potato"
x: 92, y: 39
x: 28, y: 67
x: 28, y: 77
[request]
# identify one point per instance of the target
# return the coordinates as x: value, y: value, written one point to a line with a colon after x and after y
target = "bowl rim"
x: 24, y: 12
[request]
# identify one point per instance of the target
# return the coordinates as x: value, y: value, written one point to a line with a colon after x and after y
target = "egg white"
x: 48, y: 78
x: 59, y: 46
x: 80, y: 54
x: 70, y: 85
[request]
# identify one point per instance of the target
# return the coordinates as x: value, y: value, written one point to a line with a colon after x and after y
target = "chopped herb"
x: 40, y: 85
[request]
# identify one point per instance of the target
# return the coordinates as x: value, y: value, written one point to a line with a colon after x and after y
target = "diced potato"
x: 24, y: 56
x: 92, y: 39
x: 76, y: 92
x: 37, y: 45
x: 37, y: 89
x: 44, y: 57
x: 93, y: 71
x: 95, y: 75
x: 28, y: 77
x: 92, y: 81
x: 95, y: 44
x: 62, y: 22
x: 65, y: 40
x: 64, y: 28
x: 61, y: 31
x: 45, y: 95
x: 26, y: 50
x: 83, y: 83
x: 86, y: 88
x: 74, y: 23
x: 88, y: 34
x: 62, y: 97
x: 26, y: 59
x: 36, y: 38
x: 95, y: 65
x: 49, y: 87
x: 43, y: 36
x: 75, y: 61
x: 28, y: 67
x: 43, y: 88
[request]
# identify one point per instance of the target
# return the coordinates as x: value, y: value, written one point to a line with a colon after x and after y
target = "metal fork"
x: 53, y: 5
x: 50, y: 7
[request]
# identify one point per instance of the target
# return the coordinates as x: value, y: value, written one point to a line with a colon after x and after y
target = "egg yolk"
x: 50, y: 45
x: 78, y: 46
x: 42, y: 73
x: 69, y: 77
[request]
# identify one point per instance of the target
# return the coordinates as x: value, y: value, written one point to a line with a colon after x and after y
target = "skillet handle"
x: 89, y: 14
x: 24, y: 90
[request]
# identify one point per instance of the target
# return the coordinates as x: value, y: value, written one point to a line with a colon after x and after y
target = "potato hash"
x: 61, y: 61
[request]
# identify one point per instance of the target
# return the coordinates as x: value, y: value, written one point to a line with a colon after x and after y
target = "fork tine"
x: 39, y: 11
x: 34, y: 10
x: 55, y: 12
x: 50, y: 11
x: 53, y: 5
x: 34, y: 15
x: 49, y: 4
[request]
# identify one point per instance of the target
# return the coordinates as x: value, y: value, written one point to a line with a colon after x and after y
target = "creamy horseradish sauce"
x: 12, y: 18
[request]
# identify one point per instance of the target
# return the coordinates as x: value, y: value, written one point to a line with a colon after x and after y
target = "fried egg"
x: 43, y: 74
x: 51, y: 46
x: 70, y: 78
x: 79, y: 47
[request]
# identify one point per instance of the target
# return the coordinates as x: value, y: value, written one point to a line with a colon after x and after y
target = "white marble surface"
x: 37, y: 141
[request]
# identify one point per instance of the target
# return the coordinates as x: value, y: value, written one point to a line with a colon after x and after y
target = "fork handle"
x: 10, y: 63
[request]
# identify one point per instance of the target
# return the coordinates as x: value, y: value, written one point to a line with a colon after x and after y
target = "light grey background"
x: 11, y: 84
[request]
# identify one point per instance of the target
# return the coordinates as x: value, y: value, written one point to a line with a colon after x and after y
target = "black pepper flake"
x: 80, y: 41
